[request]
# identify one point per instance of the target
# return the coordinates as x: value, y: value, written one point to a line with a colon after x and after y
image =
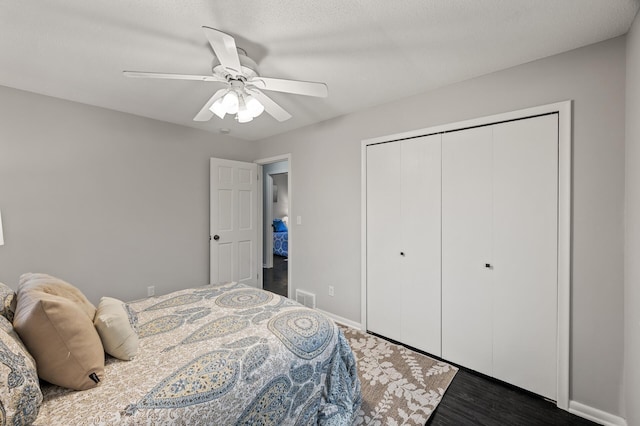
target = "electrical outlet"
x: 331, y: 292
x: 151, y: 290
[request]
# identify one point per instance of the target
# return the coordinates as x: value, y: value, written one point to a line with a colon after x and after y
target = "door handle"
x: 216, y: 237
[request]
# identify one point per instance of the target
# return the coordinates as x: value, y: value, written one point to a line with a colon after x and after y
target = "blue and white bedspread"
x: 224, y: 355
x: 281, y: 243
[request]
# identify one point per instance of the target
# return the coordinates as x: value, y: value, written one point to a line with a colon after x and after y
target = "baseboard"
x: 595, y: 415
x: 341, y: 320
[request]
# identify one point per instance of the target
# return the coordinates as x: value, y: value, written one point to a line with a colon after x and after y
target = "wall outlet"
x: 331, y: 292
x: 151, y: 290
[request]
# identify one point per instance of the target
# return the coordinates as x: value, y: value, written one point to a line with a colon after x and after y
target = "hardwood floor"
x: 474, y: 399
x: 275, y: 279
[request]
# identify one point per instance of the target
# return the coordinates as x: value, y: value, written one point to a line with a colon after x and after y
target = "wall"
x: 108, y: 201
x: 327, y: 244
x: 632, y: 231
x: 281, y: 207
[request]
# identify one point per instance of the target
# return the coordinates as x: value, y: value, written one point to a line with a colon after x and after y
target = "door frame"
x: 262, y: 162
x: 564, y: 110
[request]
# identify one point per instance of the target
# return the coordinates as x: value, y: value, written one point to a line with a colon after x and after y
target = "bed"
x: 280, y: 238
x: 223, y: 355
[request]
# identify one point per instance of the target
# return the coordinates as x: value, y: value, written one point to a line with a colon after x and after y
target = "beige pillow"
x: 55, y: 286
x: 114, y: 327
x: 59, y: 332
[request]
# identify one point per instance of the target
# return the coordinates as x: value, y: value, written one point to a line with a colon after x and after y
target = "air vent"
x: 305, y: 298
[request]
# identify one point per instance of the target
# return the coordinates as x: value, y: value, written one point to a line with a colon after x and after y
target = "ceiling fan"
x: 242, y: 96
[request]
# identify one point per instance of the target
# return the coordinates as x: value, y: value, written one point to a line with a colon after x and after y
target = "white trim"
x: 341, y: 320
x: 595, y: 415
x: 290, y: 265
x: 565, y: 117
x: 363, y: 236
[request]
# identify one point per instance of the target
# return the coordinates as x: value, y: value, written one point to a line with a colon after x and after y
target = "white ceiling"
x: 369, y: 52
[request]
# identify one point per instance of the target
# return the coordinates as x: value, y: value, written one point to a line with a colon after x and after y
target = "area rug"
x: 399, y: 386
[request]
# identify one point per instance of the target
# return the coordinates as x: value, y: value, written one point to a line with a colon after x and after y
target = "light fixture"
x: 1, y: 236
x: 236, y: 101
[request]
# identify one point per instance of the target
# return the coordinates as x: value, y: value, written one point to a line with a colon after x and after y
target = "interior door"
x: 233, y: 222
x: 466, y: 248
x: 384, y: 240
x: 420, y: 227
x: 525, y: 193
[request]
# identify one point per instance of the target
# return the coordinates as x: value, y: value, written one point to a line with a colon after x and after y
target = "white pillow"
x: 116, y: 332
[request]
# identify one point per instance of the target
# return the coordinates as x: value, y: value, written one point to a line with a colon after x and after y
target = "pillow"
x: 7, y: 302
x: 20, y: 395
x: 55, y: 286
x: 279, y: 226
x: 55, y: 322
x: 114, y: 327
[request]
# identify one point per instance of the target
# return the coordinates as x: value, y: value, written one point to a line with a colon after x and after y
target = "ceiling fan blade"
x: 169, y: 76
x: 269, y: 105
x: 224, y: 46
x: 307, y: 88
x: 205, y: 113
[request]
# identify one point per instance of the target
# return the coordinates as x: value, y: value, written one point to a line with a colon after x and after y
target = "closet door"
x: 403, y: 241
x: 420, y: 279
x: 384, y: 240
x: 525, y: 193
x: 466, y: 248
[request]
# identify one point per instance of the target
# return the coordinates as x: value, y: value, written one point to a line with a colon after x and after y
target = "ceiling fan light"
x: 218, y: 108
x: 231, y: 102
x: 244, y: 114
x: 254, y: 106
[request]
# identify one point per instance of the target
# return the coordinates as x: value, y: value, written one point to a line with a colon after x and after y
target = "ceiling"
x: 369, y: 52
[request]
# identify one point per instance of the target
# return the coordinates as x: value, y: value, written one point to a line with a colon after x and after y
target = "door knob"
x: 216, y: 237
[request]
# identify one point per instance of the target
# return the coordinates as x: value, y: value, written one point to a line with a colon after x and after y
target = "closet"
x: 462, y: 247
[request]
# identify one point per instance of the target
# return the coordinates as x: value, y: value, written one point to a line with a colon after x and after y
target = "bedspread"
x: 223, y: 355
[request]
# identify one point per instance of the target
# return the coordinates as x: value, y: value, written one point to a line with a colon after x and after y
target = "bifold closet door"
x: 525, y: 253
x: 403, y: 241
x: 420, y: 224
x: 499, y: 251
x: 384, y: 239
x: 466, y: 248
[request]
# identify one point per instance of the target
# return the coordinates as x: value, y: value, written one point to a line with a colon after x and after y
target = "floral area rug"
x: 399, y: 386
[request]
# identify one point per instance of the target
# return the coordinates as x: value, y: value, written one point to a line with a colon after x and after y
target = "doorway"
x: 276, y: 232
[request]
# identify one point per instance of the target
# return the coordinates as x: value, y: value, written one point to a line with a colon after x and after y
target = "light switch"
x: 298, y: 220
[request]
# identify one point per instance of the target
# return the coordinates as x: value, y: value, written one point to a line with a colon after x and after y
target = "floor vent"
x: 305, y: 298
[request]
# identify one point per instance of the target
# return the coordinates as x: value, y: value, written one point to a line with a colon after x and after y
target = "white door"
x: 384, y: 240
x: 466, y: 248
x: 525, y: 194
x: 233, y: 222
x: 420, y: 227
x: 403, y: 241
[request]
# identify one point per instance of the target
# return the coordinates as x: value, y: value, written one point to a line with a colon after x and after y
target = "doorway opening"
x: 276, y: 208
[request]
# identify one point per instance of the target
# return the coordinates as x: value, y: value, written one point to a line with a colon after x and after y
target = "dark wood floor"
x: 275, y: 279
x: 474, y: 399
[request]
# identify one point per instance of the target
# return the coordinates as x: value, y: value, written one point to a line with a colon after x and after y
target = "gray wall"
x: 281, y: 207
x: 108, y: 201
x: 632, y: 231
x: 327, y: 244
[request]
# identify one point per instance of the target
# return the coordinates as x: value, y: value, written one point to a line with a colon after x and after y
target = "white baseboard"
x: 595, y: 415
x: 341, y: 320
